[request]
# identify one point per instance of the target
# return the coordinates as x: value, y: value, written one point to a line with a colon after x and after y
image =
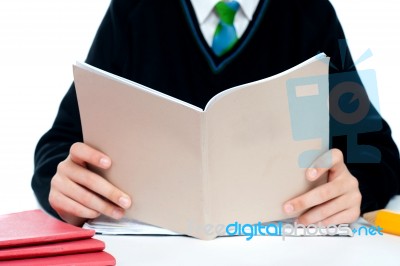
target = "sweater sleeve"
x: 356, y: 127
x: 55, y: 144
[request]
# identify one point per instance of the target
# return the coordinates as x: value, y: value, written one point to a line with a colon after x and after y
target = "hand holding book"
x: 179, y: 163
x: 336, y: 202
x: 78, y: 194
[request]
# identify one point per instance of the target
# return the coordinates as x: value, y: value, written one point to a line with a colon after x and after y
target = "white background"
x: 41, y: 39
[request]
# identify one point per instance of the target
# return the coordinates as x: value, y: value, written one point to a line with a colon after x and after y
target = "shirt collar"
x: 203, y: 8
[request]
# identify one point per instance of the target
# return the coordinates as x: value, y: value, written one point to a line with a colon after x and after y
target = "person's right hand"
x: 78, y: 194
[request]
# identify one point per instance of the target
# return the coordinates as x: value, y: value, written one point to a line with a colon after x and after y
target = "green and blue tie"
x: 225, y: 34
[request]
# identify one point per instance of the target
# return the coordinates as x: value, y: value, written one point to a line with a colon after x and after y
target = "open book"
x: 189, y: 170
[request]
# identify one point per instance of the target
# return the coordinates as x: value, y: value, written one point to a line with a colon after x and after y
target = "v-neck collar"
x: 203, y: 8
x: 218, y: 63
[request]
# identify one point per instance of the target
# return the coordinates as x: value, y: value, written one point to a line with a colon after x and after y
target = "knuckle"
x: 354, y: 182
x: 75, y: 148
x: 55, y: 200
x: 79, y: 212
x: 85, y: 153
x: 354, y: 214
x: 52, y: 199
x: 82, y: 177
x: 350, y: 184
x: 53, y: 182
x: 357, y: 198
x: 106, y: 208
x: 86, y: 213
x: 300, y: 204
x: 87, y: 179
x: 91, y: 181
x: 56, y: 182
x: 324, y: 194
x: 91, y: 214
x: 114, y: 194
x: 305, y: 219
x: 87, y: 199
x: 62, y: 167
x: 324, y: 213
x: 337, y: 154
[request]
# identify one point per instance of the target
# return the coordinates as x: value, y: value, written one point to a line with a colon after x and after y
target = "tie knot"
x: 226, y: 11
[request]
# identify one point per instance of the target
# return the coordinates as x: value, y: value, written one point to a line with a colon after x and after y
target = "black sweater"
x: 158, y: 44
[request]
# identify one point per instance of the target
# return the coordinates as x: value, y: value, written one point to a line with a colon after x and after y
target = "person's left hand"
x: 336, y: 202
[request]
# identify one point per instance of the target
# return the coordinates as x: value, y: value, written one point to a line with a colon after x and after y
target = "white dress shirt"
x: 208, y: 19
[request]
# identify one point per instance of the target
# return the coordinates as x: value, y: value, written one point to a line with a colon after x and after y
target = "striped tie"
x: 225, y: 34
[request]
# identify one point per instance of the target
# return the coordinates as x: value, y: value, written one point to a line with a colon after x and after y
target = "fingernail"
x: 105, y: 162
x: 124, y: 202
x: 288, y: 208
x: 312, y: 173
x: 117, y: 214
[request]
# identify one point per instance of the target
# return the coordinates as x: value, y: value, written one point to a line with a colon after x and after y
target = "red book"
x: 36, y: 227
x: 52, y: 249
x: 84, y: 259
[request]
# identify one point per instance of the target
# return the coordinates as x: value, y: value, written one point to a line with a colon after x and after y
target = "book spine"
x: 205, y: 174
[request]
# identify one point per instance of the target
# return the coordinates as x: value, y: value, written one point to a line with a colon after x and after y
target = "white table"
x: 261, y: 250
x: 176, y: 250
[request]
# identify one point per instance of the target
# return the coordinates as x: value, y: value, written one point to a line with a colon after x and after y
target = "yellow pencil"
x: 389, y: 221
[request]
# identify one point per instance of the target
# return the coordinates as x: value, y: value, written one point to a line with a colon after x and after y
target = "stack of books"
x: 35, y: 238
